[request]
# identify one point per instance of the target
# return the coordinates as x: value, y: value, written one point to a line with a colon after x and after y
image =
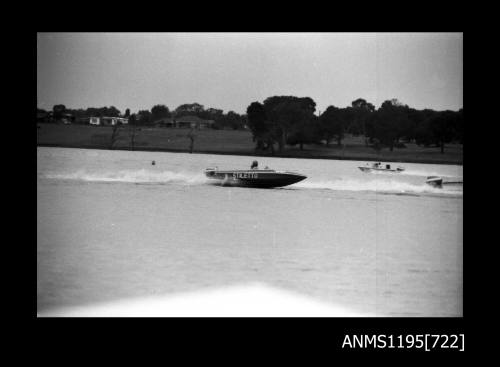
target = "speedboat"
x: 262, y: 178
x: 380, y: 167
x: 438, y: 182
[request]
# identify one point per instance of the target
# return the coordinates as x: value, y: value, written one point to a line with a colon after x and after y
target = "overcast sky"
x: 231, y: 70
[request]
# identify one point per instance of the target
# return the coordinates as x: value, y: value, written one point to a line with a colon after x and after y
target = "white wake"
x: 132, y: 176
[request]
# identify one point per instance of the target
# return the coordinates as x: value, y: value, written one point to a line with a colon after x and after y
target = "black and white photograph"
x: 249, y: 174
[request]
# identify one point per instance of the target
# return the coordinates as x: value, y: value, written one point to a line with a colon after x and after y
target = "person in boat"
x: 255, y: 165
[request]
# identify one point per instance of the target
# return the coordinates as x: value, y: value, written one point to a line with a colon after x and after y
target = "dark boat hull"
x: 254, y: 178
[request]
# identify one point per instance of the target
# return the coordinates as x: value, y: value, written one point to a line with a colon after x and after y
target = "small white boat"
x: 380, y: 167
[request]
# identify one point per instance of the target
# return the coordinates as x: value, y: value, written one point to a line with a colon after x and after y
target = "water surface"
x: 113, y: 226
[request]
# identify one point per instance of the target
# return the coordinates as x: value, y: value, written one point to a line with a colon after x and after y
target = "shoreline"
x: 253, y: 154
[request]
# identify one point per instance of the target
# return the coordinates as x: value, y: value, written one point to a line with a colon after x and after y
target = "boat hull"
x: 255, y: 178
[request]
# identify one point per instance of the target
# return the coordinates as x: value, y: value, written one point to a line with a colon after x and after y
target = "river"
x: 110, y: 225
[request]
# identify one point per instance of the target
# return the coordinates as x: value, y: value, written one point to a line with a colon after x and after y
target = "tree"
x: 132, y: 120
x: 416, y: 118
x: 361, y: 111
x: 362, y: 104
x: 389, y: 123
x: 79, y: 114
x: 92, y: 111
x: 111, y: 111
x: 305, y: 132
x: 423, y: 134
x: 58, y: 110
x: 443, y: 126
x: 281, y: 120
x: 159, y: 111
x: 210, y: 114
x: 460, y: 126
x: 332, y: 124
x: 144, y: 117
x: 257, y: 122
x: 279, y: 116
x: 285, y: 114
x: 230, y: 120
x: 102, y: 111
x: 41, y: 115
x: 189, y: 109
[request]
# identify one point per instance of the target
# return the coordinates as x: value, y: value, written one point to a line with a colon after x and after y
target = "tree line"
x: 290, y: 120
x: 229, y: 120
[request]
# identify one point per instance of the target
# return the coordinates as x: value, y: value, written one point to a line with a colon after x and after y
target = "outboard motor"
x: 209, y: 172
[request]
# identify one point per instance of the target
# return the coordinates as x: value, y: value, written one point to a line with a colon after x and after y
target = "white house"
x: 95, y: 121
x: 108, y: 121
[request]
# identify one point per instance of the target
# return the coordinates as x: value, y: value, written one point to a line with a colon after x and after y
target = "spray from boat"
x: 142, y: 176
x: 255, y: 177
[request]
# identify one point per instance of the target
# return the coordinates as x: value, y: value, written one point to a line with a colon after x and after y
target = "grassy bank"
x: 231, y: 142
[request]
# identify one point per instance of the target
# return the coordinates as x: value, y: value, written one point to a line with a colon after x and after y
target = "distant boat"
x: 380, y: 167
x: 438, y: 182
x: 262, y: 178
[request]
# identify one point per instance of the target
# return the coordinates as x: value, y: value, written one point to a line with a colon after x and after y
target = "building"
x: 193, y: 122
x: 108, y: 121
x: 165, y: 122
x: 94, y: 120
